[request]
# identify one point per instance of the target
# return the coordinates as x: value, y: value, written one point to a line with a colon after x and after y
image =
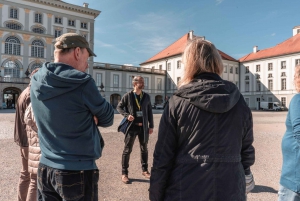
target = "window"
x: 83, y: 25
x: 169, y: 66
x: 159, y: 83
x: 297, y: 62
x: 283, y: 101
x: 283, y: 65
x: 13, y: 25
x: 12, y: 46
x: 35, y: 65
x: 13, y: 13
x: 247, y: 86
x: 246, y: 77
x: 38, y: 30
x: 169, y: 83
x: 160, y: 67
x: 225, y: 69
x: 247, y: 69
x: 270, y: 66
x: 178, y: 79
x: 247, y: 101
x: 115, y: 80
x: 38, y: 17
x: 257, y: 76
x: 98, y: 79
x: 270, y: 85
x: 258, y: 85
x: 58, y: 20
x: 11, y: 69
x: 257, y: 68
x: 270, y: 99
x: 57, y: 33
x: 236, y: 70
x: 37, y: 49
x: 231, y: 69
x: 283, y: 84
x: 270, y: 75
x: 283, y: 74
x: 71, y: 23
x: 178, y: 64
x: 146, y: 82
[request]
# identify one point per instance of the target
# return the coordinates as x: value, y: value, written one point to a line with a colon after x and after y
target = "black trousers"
x: 129, y: 141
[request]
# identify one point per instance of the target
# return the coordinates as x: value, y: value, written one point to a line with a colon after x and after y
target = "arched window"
x: 35, y: 65
x: 37, y: 49
x: 11, y: 69
x: 12, y: 46
x: 12, y: 25
x: 38, y: 30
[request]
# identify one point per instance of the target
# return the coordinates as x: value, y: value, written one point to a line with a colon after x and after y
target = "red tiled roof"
x: 177, y: 48
x: 291, y: 45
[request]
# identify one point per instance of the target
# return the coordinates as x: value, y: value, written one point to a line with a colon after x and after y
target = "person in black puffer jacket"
x: 204, y: 149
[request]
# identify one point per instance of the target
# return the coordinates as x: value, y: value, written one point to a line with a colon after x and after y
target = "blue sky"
x: 132, y: 31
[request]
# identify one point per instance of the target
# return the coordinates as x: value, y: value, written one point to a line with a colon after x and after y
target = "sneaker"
x: 125, y: 179
x: 146, y: 174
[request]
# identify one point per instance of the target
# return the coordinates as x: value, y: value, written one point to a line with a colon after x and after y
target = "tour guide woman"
x: 204, y: 147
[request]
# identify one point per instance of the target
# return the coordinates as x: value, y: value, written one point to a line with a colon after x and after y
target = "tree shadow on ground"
x: 139, y: 180
x: 263, y: 189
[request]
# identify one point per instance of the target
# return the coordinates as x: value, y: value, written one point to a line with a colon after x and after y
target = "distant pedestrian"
x: 204, y: 149
x: 289, y: 189
x: 65, y: 101
x: 27, y: 186
x: 136, y: 106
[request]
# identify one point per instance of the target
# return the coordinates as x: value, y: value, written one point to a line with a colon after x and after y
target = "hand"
x: 96, y: 120
x: 130, y: 118
x: 150, y: 131
x: 249, y: 182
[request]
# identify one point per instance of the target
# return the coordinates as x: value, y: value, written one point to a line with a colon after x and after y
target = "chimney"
x: 296, y: 30
x: 255, y: 49
x: 86, y: 5
x: 191, y: 34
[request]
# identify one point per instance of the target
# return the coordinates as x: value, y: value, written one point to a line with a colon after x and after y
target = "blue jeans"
x: 285, y: 194
x: 67, y: 185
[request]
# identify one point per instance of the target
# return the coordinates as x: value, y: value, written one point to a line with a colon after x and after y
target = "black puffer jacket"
x: 204, y: 147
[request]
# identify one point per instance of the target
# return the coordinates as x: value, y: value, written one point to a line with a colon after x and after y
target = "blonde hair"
x: 200, y: 56
x: 297, y: 78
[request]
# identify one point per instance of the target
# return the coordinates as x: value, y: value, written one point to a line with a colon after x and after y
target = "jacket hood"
x: 209, y: 92
x: 54, y: 79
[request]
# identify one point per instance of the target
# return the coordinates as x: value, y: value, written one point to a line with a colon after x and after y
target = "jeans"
x: 129, y: 141
x: 285, y: 194
x: 67, y: 185
x: 27, y: 187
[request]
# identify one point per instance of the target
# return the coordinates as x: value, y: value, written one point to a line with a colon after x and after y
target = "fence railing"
x: 15, y: 80
x: 98, y: 65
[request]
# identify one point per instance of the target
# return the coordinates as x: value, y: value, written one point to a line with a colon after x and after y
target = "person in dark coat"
x: 136, y: 107
x: 204, y: 149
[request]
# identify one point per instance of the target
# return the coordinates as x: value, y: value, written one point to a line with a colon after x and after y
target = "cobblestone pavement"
x: 268, y: 130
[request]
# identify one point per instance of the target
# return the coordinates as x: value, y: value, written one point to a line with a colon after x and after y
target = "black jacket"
x: 125, y: 108
x: 204, y: 147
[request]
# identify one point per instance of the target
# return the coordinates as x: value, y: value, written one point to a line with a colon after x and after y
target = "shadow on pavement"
x: 263, y: 189
x: 139, y: 180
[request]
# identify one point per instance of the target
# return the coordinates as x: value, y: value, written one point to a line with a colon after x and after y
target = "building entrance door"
x: 10, y: 97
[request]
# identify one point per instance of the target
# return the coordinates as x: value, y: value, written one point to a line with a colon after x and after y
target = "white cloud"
x: 273, y: 34
x: 219, y: 2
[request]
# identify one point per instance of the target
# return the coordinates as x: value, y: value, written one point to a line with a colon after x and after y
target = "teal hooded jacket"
x: 65, y: 101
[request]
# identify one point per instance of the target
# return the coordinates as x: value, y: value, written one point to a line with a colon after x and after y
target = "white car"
x: 159, y: 106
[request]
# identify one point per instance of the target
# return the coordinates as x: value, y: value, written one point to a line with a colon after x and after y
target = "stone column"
x: 49, y: 23
x: 91, y: 42
x: 26, y: 51
x: 27, y: 11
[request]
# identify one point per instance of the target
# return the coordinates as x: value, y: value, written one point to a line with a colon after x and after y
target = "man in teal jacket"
x: 68, y: 108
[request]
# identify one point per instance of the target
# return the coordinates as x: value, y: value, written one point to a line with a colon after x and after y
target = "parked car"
x: 271, y: 106
x: 159, y: 106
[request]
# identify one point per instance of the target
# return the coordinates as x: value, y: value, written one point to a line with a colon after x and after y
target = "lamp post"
x: 101, y: 90
x: 166, y: 76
